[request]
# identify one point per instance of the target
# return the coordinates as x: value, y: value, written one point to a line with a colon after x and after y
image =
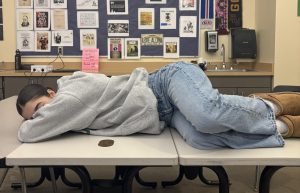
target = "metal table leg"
x: 3, y: 177
x: 53, y: 180
x: 23, y: 176
x: 265, y: 178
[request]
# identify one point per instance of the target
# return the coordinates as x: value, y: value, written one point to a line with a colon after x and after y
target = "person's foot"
x: 288, y: 103
x: 293, y: 123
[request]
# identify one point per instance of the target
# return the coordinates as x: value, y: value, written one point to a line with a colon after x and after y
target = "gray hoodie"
x: 97, y: 105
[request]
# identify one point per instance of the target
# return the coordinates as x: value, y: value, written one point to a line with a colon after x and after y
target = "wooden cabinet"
x: 13, y: 84
x: 242, y: 85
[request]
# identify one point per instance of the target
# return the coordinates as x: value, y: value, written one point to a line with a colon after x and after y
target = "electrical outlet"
x: 60, y: 50
x: 41, y: 68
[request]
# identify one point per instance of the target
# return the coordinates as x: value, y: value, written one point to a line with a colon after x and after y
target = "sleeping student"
x: 178, y: 95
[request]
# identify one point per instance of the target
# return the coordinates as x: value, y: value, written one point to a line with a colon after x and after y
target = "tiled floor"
x: 287, y: 180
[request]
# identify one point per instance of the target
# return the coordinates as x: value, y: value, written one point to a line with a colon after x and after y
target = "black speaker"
x: 243, y: 43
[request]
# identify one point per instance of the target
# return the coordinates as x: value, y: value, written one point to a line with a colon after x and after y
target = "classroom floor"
x: 286, y: 180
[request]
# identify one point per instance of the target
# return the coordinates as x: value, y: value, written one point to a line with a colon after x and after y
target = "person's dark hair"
x: 28, y: 93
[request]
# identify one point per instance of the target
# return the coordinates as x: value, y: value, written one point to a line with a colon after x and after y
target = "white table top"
x: 81, y: 149
x: 289, y: 155
x: 10, y: 121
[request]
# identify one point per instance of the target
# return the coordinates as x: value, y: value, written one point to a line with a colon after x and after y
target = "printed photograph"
x: 41, y: 19
x: 59, y: 19
x: 24, y: 19
x: 132, y: 48
x: 146, y: 18
x: 118, y: 27
x: 86, y: 4
x: 41, y: 3
x: 117, y: 7
x: 25, y: 41
x: 42, y: 41
x: 87, y: 19
x: 187, y: 5
x: 59, y: 4
x: 152, y: 39
x: 62, y: 38
x: 115, y: 48
x: 88, y: 38
x: 168, y: 18
x: 171, y: 47
x: 24, y: 4
x: 188, y: 26
x: 156, y: 1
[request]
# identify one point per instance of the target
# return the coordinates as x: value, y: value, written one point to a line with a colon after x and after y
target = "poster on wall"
x: 24, y: 4
x: 171, y: 47
x: 117, y: 7
x: 24, y: 19
x: 59, y: 4
x: 42, y: 4
x: 187, y: 5
x: 25, y: 41
x: 88, y: 19
x: 188, y: 26
x: 62, y: 38
x: 42, y: 41
x: 59, y: 19
x: 132, y: 48
x: 146, y: 18
x: 115, y: 48
x: 88, y: 38
x: 41, y: 19
x: 118, y: 27
x: 207, y: 14
x: 86, y: 4
x: 235, y: 19
x: 168, y: 18
x: 156, y: 1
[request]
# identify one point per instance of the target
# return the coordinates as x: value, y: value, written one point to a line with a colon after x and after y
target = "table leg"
x: 23, y: 176
x: 265, y: 178
x: 128, y: 178
x: 53, y: 180
x: 3, y: 177
x: 223, y: 178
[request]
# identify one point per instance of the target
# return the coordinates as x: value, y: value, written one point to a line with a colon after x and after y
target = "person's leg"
x: 208, y: 111
x: 231, y: 139
x: 288, y: 103
x: 293, y: 123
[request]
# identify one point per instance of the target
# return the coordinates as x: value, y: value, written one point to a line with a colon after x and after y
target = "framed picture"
x: 171, y: 47
x: 156, y: 1
x: 84, y: 4
x: 118, y: 27
x: 24, y: 19
x: 132, y: 48
x: 87, y: 19
x: 188, y: 26
x: 115, y: 48
x: 42, y: 41
x: 117, y: 7
x: 24, y: 4
x: 41, y: 4
x: 168, y: 18
x: 146, y: 18
x: 59, y: 4
x: 62, y: 38
x: 25, y: 41
x: 59, y: 19
x: 187, y: 5
x: 41, y: 19
x: 152, y: 39
x: 88, y: 38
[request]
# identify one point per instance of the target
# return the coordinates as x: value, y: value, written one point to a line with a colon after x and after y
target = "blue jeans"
x: 207, y: 119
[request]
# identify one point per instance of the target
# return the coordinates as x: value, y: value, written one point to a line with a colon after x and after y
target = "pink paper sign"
x: 90, y: 60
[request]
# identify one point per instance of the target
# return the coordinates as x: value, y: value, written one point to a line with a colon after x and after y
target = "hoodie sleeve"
x: 63, y: 114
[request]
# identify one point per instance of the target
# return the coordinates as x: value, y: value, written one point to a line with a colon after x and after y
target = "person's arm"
x: 63, y: 114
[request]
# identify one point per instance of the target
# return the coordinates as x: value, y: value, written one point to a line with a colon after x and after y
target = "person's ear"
x: 51, y: 93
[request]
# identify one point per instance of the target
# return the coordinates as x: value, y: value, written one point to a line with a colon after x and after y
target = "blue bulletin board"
x: 188, y: 45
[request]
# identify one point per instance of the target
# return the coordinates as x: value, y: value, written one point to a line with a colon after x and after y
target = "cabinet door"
x: 248, y: 91
x: 13, y: 85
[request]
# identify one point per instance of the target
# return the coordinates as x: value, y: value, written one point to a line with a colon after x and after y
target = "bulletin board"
x: 188, y: 45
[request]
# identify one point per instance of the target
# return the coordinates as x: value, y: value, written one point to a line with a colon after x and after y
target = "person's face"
x: 34, y: 104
